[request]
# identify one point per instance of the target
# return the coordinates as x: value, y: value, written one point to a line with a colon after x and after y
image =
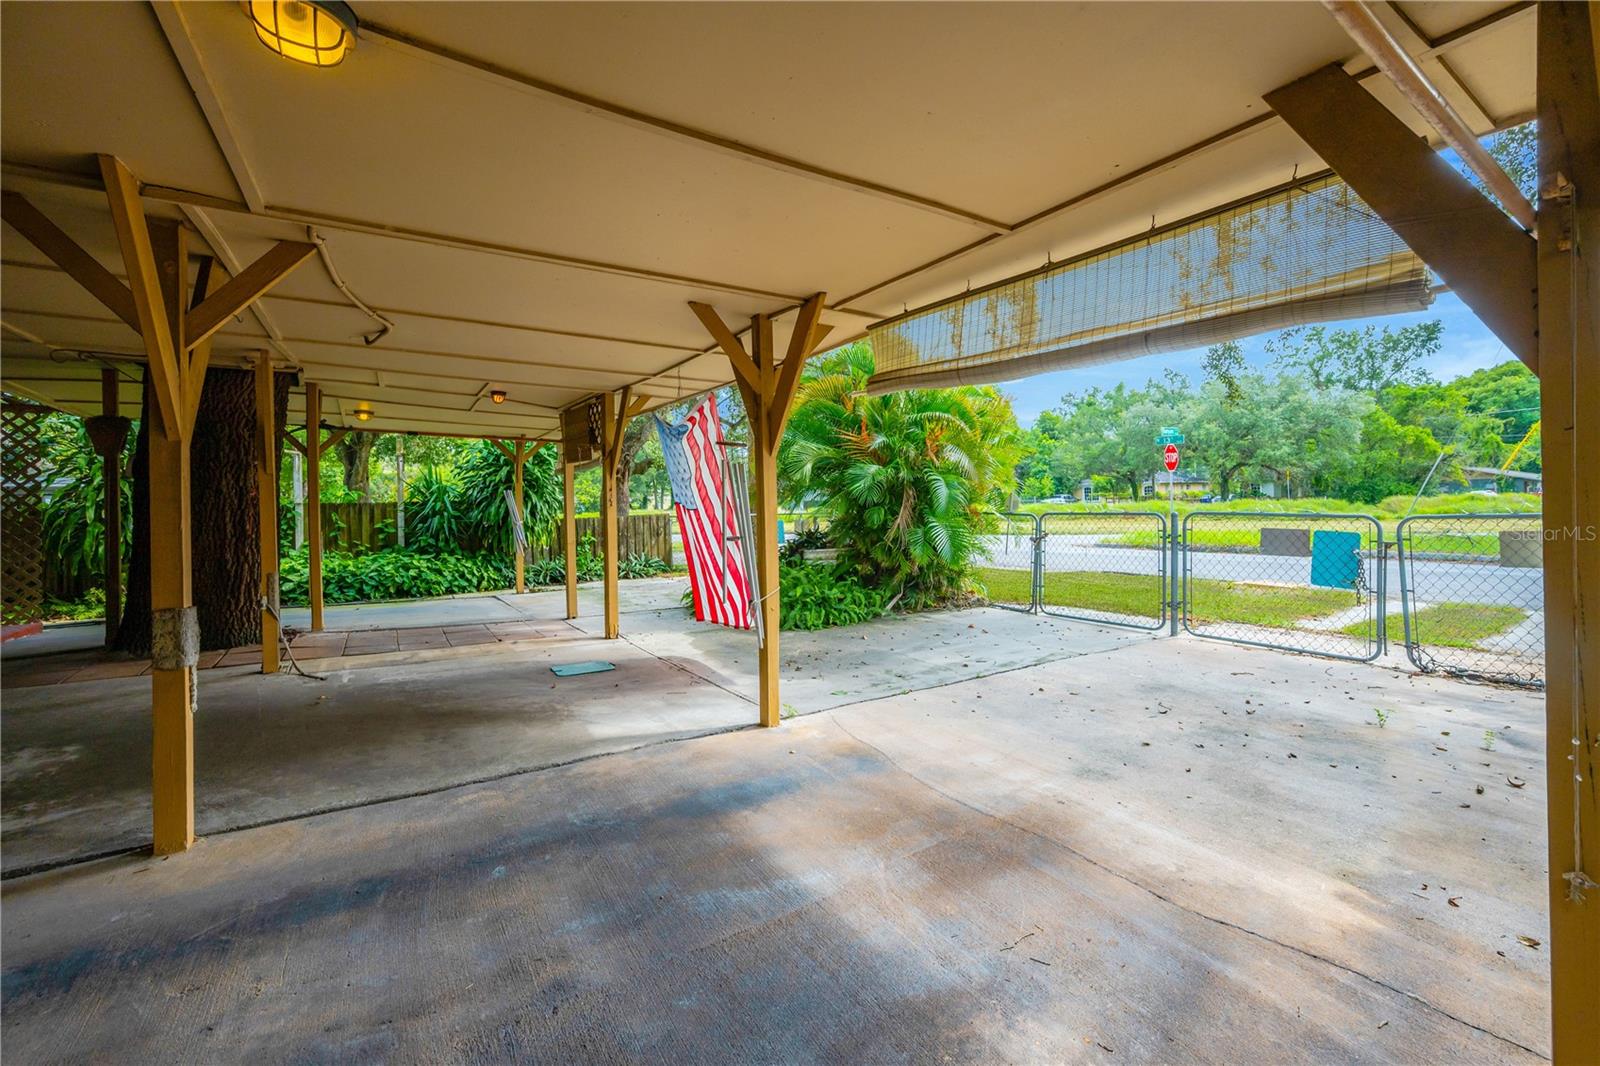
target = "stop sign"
x: 1169, y: 456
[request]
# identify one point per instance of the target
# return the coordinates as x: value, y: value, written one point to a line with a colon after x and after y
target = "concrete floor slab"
x: 77, y: 756
x: 398, y: 716
x: 1087, y: 860
x: 833, y: 667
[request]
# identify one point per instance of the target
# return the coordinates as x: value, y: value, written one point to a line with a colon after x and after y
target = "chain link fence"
x: 1009, y: 572
x: 1467, y: 589
x: 1105, y: 566
x: 1295, y: 581
x: 1472, y: 587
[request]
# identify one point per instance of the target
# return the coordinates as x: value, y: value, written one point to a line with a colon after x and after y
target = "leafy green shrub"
x: 820, y: 597
x: 1464, y: 503
x: 433, y: 512
x: 591, y: 566
x: 640, y: 564
x: 908, y: 481
x: 74, y: 515
x: 393, y: 574
x: 796, y: 545
x: 463, y: 509
x: 91, y: 605
x: 483, y: 475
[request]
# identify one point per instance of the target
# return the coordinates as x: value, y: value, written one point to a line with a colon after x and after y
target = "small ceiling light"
x: 316, y: 32
x: 363, y: 413
x: 497, y: 395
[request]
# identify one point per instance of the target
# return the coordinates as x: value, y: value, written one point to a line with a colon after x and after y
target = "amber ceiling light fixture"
x: 497, y: 395
x: 319, y: 33
x: 363, y: 412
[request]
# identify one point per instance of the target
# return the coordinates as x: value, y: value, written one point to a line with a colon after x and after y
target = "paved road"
x: 1435, y: 581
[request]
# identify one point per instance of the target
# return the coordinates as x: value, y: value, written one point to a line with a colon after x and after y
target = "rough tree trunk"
x: 225, y: 542
x: 133, y: 632
x: 355, y: 454
x: 633, y: 439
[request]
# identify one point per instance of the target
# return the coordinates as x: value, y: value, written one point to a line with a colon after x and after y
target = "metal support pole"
x: 569, y: 535
x: 1175, y: 602
x: 298, y: 487
x: 400, y: 490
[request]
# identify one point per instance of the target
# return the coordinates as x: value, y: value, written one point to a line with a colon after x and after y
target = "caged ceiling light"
x: 316, y: 32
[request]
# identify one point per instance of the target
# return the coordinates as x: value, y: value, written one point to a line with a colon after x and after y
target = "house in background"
x: 1488, y: 478
x: 1188, y: 482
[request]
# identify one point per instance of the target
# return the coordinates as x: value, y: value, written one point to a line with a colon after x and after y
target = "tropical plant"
x: 797, y: 544
x: 591, y: 565
x: 483, y: 474
x: 640, y: 564
x: 820, y: 597
x: 74, y: 515
x: 433, y: 512
x: 393, y: 574
x: 908, y: 480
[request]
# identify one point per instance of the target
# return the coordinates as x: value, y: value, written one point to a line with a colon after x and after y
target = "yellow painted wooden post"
x: 610, y: 426
x: 1569, y: 386
x: 175, y: 635
x: 155, y: 303
x: 267, y: 510
x: 764, y: 502
x: 519, y: 454
x: 768, y: 391
x: 569, y: 530
x: 314, y: 502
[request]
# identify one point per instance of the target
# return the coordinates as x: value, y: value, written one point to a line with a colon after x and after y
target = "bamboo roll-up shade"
x: 1311, y: 252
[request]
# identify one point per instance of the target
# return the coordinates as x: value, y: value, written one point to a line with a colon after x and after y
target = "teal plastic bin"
x: 1335, y: 559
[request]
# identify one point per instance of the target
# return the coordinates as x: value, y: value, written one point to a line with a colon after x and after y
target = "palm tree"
x: 907, y: 480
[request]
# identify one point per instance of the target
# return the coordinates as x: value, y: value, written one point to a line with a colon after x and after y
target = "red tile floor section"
x: 100, y: 665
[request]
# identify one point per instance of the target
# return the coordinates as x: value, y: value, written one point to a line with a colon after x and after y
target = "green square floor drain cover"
x: 594, y: 666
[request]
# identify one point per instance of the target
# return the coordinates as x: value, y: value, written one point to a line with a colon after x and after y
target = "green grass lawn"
x: 1134, y: 594
x: 1246, y: 536
x: 1390, y: 509
x: 1457, y: 625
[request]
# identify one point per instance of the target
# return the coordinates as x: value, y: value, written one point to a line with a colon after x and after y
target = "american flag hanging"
x: 718, y: 576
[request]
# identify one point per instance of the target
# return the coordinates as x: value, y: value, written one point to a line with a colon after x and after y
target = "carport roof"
x: 532, y: 193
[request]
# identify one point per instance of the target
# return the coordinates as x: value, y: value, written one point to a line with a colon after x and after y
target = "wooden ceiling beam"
x: 133, y: 235
x: 244, y: 289
x: 1485, y: 257
x: 69, y: 256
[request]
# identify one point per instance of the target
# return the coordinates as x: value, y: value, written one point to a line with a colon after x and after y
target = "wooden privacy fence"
x: 349, y: 526
x: 648, y: 534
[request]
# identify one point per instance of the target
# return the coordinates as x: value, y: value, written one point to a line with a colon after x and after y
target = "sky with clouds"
x: 1468, y: 346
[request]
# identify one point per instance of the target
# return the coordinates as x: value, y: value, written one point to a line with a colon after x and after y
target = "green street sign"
x: 1170, y: 435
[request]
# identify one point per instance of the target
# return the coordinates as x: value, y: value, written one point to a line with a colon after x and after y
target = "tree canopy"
x: 1337, y: 412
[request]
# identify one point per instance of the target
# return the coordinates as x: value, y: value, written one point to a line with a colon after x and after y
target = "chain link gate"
x: 1294, y: 581
x: 1010, y: 574
x: 1108, y: 567
x: 1473, y: 592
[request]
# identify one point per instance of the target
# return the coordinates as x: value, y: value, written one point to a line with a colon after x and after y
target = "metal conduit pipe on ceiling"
x: 1357, y: 20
